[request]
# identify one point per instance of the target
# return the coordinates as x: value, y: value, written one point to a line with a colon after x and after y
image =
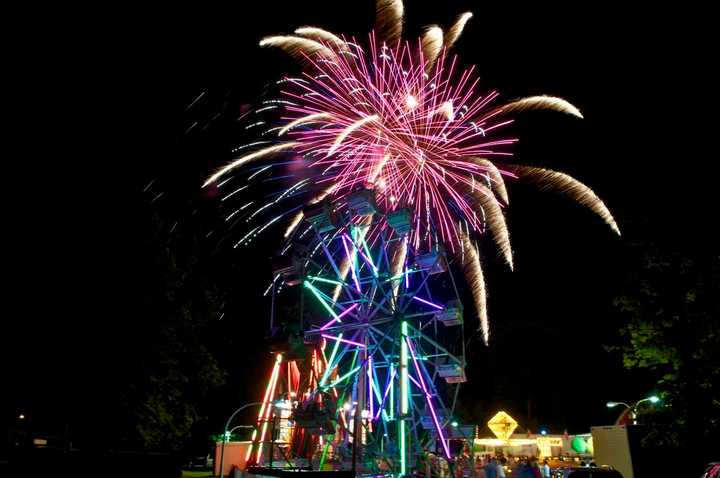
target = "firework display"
x: 395, y: 162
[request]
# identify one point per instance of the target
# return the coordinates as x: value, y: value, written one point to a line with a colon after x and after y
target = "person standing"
x: 500, y: 470
x: 545, y: 469
x: 536, y: 469
x: 491, y: 468
x: 525, y: 469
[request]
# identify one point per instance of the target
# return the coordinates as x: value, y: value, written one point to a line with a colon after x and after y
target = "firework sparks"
x: 246, y: 159
x: 406, y: 120
x: 476, y: 281
x: 456, y: 30
x: 496, y: 220
x: 542, y: 102
x: 555, y: 181
x: 388, y: 19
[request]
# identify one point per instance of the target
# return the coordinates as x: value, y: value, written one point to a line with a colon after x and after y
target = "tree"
x: 672, y: 334
x: 175, y: 368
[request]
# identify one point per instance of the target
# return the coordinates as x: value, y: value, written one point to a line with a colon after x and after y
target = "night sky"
x: 100, y: 111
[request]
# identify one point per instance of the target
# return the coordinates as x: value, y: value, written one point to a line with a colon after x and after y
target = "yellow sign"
x: 502, y: 425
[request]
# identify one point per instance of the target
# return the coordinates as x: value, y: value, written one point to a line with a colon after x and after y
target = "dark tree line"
x: 671, y: 309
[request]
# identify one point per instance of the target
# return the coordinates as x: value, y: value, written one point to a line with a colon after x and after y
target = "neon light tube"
x: 429, y: 400
x: 268, y: 407
x: 327, y: 281
x: 401, y: 275
x: 403, y: 396
x: 351, y: 259
x: 324, y: 454
x: 262, y: 410
x: 391, y: 385
x: 407, y: 272
x: 340, y: 316
x: 419, y: 299
x: 344, y: 377
x: 330, y: 364
x: 316, y: 293
x: 370, y: 387
x: 381, y: 398
x: 366, y: 258
x: 346, y: 341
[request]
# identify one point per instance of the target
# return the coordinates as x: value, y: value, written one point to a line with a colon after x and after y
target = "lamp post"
x: 230, y: 432
x: 634, y: 407
x: 225, y: 434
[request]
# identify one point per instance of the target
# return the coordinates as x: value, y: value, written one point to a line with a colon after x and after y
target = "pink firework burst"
x: 376, y: 119
x: 404, y: 120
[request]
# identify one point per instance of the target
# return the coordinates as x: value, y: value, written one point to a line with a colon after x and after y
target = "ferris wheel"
x: 372, y: 383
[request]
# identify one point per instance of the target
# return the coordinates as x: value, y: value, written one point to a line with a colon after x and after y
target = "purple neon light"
x: 351, y: 262
x: 332, y: 337
x: 370, y: 386
x: 428, y: 399
x: 407, y: 276
x: 417, y: 384
x: 337, y: 319
x: 419, y: 299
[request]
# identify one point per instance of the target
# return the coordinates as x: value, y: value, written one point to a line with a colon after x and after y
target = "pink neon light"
x: 407, y: 276
x: 341, y: 315
x: 417, y: 384
x: 343, y: 340
x: 428, y: 399
x: 419, y: 299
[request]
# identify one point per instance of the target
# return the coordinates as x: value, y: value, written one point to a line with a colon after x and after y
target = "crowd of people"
x: 467, y: 465
x: 496, y: 467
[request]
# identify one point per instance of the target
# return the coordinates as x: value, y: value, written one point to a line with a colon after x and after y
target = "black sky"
x: 98, y: 111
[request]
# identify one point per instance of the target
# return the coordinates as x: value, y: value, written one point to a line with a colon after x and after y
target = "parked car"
x: 586, y: 472
x: 197, y: 462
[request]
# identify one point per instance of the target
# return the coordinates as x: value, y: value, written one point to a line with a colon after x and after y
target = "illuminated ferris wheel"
x: 373, y: 383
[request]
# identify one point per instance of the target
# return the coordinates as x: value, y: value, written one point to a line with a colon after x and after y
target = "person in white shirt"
x: 545, y: 469
x: 500, y: 470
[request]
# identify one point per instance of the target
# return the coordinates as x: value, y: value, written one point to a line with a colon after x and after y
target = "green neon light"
x: 354, y: 360
x: 369, y: 256
x: 330, y: 364
x: 343, y: 378
x: 327, y: 281
x: 316, y: 293
x: 324, y: 453
x: 401, y: 432
x: 401, y: 275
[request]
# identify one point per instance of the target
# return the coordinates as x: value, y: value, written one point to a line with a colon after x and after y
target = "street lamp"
x: 230, y: 432
x: 634, y: 407
x: 225, y: 434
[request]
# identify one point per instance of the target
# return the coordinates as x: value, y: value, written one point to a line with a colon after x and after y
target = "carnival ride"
x: 394, y: 170
x: 386, y: 365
